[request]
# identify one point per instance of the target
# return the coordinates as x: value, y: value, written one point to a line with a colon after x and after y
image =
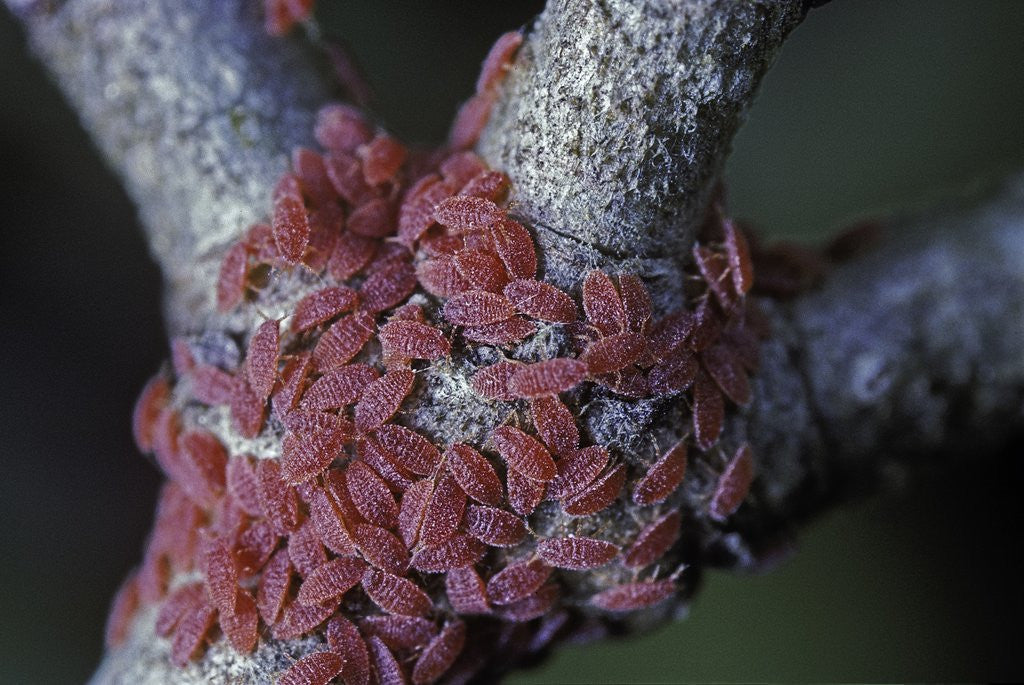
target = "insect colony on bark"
x: 361, y: 513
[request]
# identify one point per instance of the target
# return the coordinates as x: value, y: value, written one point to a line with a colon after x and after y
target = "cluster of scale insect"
x: 354, y: 530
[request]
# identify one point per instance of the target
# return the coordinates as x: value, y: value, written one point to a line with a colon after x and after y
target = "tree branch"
x: 914, y: 347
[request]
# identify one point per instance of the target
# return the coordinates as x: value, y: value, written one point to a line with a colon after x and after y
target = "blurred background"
x: 872, y: 105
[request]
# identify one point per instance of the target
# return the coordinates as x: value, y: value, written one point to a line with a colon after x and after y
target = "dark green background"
x: 872, y: 105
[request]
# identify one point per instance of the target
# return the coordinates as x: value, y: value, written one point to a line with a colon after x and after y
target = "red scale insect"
x: 614, y: 352
x: 305, y: 550
x: 474, y: 474
x: 396, y: 595
x: 598, y: 495
x: 416, y: 215
x: 126, y: 601
x: 707, y: 326
x: 211, y: 385
x: 261, y: 358
x: 673, y: 375
x: 397, y: 477
x: 382, y: 398
x: 350, y: 255
x: 470, y: 120
x: 191, y: 633
x: 547, y: 378
x: 231, y: 281
x: 293, y: 383
x: 206, y: 460
x: 240, y: 476
x: 290, y: 224
x: 654, y: 540
x: 536, y: 605
x: 373, y: 219
x: 221, y: 574
x: 540, y: 300
x: 344, y: 639
x: 440, y: 277
x: 663, y: 477
x: 517, y: 580
x: 733, y: 485
x: 343, y: 340
x: 255, y: 545
x: 388, y: 670
x: 458, y: 168
x: 371, y: 495
x: 346, y: 175
x: 495, y: 527
x: 299, y: 619
x: 477, y: 307
x: 339, y: 387
x: 312, y: 175
x: 318, y: 668
x: 576, y: 554
x: 727, y: 371
x: 633, y: 596
x: 492, y: 381
x: 278, y: 501
x: 306, y: 456
x: 671, y: 333
x: 443, y: 513
x: 524, y: 453
x: 330, y: 524
x: 382, y: 158
x: 464, y: 213
x: 341, y: 127
x: 408, y: 448
x: 501, y: 334
x: 482, y: 269
x: 331, y: 580
x: 459, y: 550
x: 152, y: 400
x: 708, y: 411
x: 440, y: 654
x: 414, y: 505
x: 636, y: 302
x: 399, y: 632
x: 413, y: 340
x: 242, y: 626
x: 273, y: 586
x: 713, y: 266
x: 602, y: 303
x: 325, y: 225
x: 466, y: 591
x: 381, y: 548
x: 498, y: 61
x: 248, y: 409
x: 576, y: 471
x: 489, y: 185
x: 515, y: 247
x: 321, y: 306
x: 178, y: 604
x: 388, y: 287
x: 524, y: 494
x: 741, y: 267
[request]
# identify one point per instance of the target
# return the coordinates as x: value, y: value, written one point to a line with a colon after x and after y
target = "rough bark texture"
x: 616, y: 121
x: 613, y: 126
x: 195, y: 107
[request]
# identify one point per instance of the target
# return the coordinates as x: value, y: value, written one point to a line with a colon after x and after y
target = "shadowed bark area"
x: 613, y: 127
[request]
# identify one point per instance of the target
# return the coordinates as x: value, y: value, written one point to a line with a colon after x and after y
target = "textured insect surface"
x: 477, y: 307
x: 394, y: 594
x: 602, y: 303
x: 654, y: 540
x: 381, y: 548
x: 474, y: 474
x: 318, y: 668
x: 381, y: 399
x: 577, y: 470
x: 494, y: 526
x: 321, y: 306
x: 547, y: 378
x: 440, y: 654
x: 634, y: 595
x: 466, y: 591
x: 517, y: 580
x: 408, y: 448
x: 344, y: 639
x: 444, y: 511
x: 539, y: 300
x: 613, y: 353
x: 524, y: 494
x: 413, y: 340
x: 524, y: 453
x: 598, y: 495
x: 370, y: 495
x: 502, y: 333
x: 576, y: 553
x: 663, y: 477
x: 733, y: 485
x: 455, y: 552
